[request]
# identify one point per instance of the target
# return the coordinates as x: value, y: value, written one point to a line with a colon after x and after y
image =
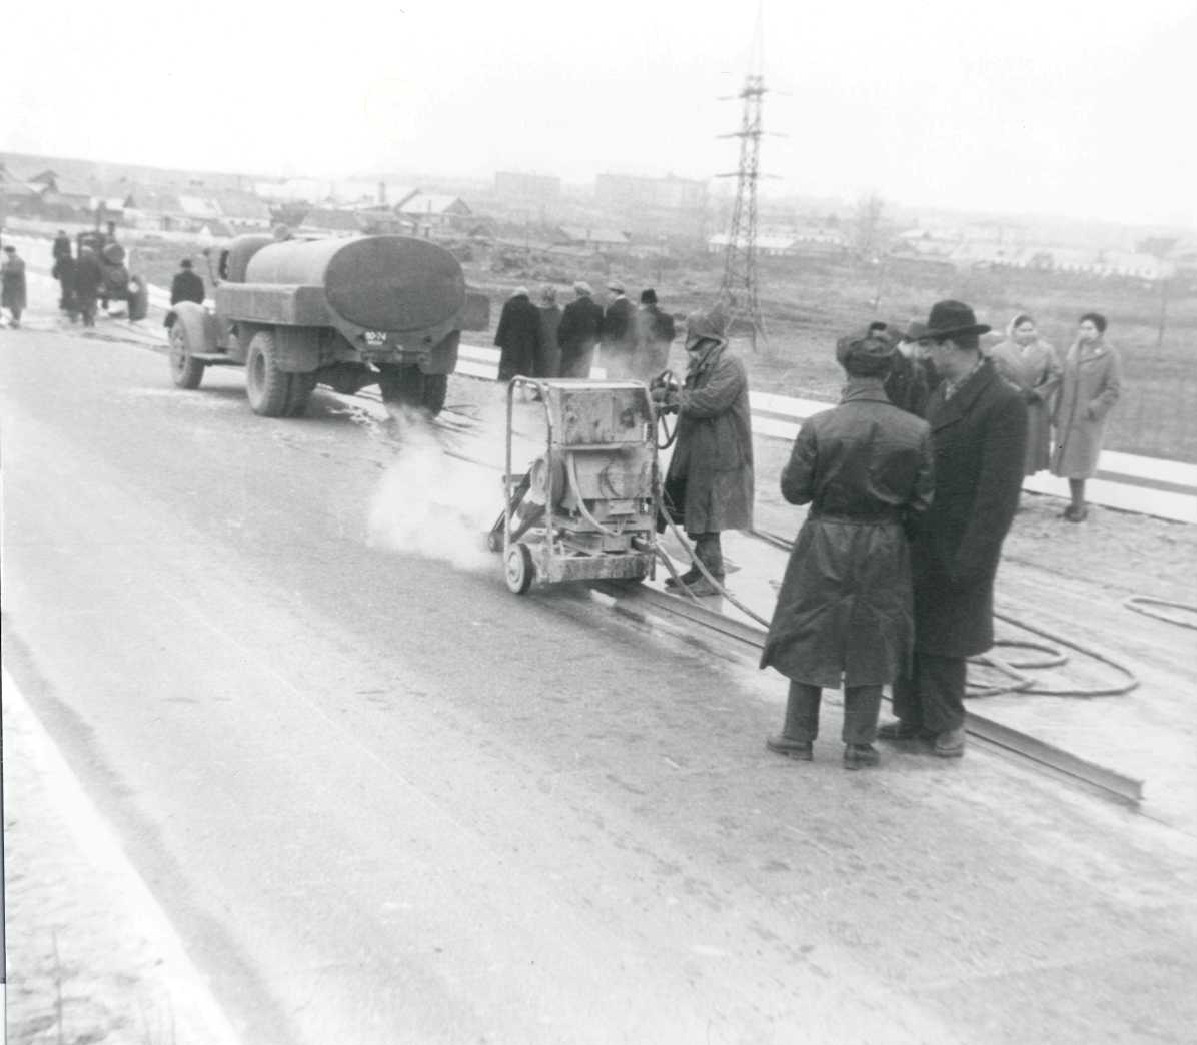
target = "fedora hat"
x: 951, y: 319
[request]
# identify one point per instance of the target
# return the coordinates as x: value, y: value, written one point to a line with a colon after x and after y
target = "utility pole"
x: 739, y: 292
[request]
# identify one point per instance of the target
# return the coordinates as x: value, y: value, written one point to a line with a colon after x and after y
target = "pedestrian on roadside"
x: 581, y: 321
x: 618, y: 334
x: 548, y: 355
x: 89, y: 277
x: 63, y: 269
x: 185, y: 286
x: 518, y: 335
x: 1029, y: 363
x: 845, y: 612
x: 12, y: 284
x: 1091, y: 385
x: 709, y: 484
x: 655, y: 331
x: 979, y: 435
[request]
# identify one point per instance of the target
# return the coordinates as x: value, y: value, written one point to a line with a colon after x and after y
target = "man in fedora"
x: 978, y: 433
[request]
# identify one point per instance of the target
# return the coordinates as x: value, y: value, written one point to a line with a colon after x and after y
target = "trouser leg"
x: 1076, y: 487
x: 907, y: 705
x: 802, y: 712
x: 941, y: 691
x: 862, y: 707
x: 708, y: 549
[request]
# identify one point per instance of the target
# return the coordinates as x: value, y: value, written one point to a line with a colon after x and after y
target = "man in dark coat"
x: 845, y: 611
x: 978, y: 431
x: 89, y: 278
x: 12, y: 284
x: 63, y: 270
x: 655, y: 331
x: 578, y: 332
x: 518, y: 335
x: 709, y: 485
x: 618, y: 335
x: 185, y: 286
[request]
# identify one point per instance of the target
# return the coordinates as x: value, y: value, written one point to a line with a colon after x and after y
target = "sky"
x: 1082, y: 109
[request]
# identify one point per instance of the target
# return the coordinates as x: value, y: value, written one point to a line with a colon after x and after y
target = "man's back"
x: 862, y: 459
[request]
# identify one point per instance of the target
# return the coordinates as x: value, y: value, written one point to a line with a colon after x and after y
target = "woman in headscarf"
x: 1091, y: 386
x: 1030, y: 364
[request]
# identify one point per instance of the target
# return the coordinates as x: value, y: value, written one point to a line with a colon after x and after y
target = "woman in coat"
x: 1030, y: 364
x: 1091, y: 386
x: 12, y: 275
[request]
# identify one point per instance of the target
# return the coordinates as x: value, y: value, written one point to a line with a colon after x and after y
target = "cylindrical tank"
x: 378, y: 282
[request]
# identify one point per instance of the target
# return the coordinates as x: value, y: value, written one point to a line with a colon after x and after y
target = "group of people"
x: 1067, y: 401
x: 80, y: 279
x: 1070, y: 399
x: 545, y: 340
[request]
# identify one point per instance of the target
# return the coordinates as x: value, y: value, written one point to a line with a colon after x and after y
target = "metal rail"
x: 642, y: 602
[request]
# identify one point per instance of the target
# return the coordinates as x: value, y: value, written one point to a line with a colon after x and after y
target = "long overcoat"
x: 518, y: 337
x: 548, y: 355
x: 1034, y: 369
x: 846, y: 606
x: 12, y: 283
x: 979, y: 439
x: 581, y: 321
x: 711, y: 465
x: 1091, y: 386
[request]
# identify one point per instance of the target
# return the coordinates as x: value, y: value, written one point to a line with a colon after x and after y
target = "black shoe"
x: 703, y: 588
x: 803, y: 750
x: 857, y: 756
x: 900, y: 730
x: 689, y: 577
x: 950, y: 744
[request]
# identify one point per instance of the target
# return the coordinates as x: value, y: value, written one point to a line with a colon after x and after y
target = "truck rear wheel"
x: 408, y: 386
x: 267, y: 387
x: 185, y: 371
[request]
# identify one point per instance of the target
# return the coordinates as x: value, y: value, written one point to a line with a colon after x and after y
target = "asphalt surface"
x: 382, y: 799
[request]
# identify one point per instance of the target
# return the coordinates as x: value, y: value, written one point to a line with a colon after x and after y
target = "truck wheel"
x: 517, y: 570
x: 267, y: 387
x: 301, y: 390
x: 185, y: 371
x: 139, y: 298
x: 407, y: 386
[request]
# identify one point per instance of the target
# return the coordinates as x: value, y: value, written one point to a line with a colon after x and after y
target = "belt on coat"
x: 884, y: 518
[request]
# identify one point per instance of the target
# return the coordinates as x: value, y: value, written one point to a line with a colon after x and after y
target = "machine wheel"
x: 301, y: 390
x: 517, y: 569
x: 184, y: 371
x: 408, y: 386
x: 268, y: 387
x: 139, y: 297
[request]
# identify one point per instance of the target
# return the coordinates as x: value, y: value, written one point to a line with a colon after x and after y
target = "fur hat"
x: 648, y: 297
x: 867, y: 353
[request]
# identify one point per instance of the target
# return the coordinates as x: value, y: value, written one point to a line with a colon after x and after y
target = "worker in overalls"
x: 709, y: 485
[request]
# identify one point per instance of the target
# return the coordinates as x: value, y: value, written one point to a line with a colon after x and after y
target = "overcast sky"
x: 1077, y: 108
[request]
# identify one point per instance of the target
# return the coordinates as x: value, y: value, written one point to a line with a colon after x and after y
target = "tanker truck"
x: 343, y: 312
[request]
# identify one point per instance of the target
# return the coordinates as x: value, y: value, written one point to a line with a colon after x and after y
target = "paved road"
x: 384, y: 800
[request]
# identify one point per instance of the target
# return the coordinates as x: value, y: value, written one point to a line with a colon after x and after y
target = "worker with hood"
x: 845, y: 612
x: 709, y: 485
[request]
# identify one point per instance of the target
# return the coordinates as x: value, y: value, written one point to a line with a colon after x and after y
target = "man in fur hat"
x: 978, y: 430
x: 845, y: 611
x: 709, y: 486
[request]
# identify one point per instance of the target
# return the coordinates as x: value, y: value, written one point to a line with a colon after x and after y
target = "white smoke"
x: 433, y: 504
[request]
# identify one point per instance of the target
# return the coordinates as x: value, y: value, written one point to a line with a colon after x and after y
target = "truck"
x: 346, y: 312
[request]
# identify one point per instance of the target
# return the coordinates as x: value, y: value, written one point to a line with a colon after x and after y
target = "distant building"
x: 598, y: 239
x: 434, y: 211
x: 668, y: 193
x: 538, y: 187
